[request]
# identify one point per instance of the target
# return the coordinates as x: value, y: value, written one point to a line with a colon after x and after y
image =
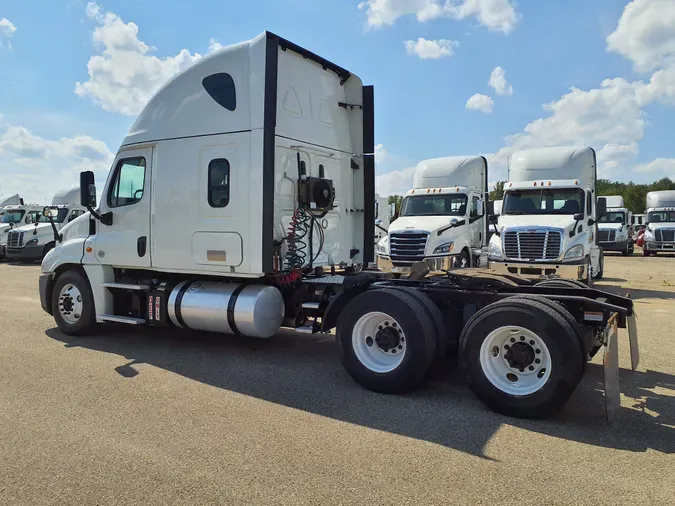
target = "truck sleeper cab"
x: 242, y: 201
x: 660, y: 222
x: 441, y: 221
x: 548, y: 223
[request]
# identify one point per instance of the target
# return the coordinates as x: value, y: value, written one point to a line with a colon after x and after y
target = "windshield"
x: 63, y: 212
x: 551, y: 201
x: 12, y: 216
x: 613, y: 217
x: 434, y: 205
x: 661, y: 217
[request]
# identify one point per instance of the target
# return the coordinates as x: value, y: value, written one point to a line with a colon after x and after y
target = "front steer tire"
x: 87, y: 316
x: 553, y: 328
x: 419, y: 334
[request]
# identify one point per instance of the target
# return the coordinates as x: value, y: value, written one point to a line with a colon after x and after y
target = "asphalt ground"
x: 131, y: 416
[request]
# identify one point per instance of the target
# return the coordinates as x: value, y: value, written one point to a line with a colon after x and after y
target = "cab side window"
x: 75, y: 214
x: 128, y: 182
x: 33, y: 217
x: 473, y: 213
x: 219, y: 183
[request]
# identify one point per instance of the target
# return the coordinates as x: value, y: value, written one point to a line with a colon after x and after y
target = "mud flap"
x: 611, y: 368
x: 633, y: 341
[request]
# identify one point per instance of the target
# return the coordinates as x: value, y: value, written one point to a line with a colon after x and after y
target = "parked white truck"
x: 32, y: 242
x: 441, y: 221
x: 242, y: 201
x: 15, y: 216
x: 660, y: 221
x: 548, y: 224
x: 615, y: 228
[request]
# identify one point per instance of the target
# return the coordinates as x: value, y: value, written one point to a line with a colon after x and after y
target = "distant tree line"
x: 634, y: 195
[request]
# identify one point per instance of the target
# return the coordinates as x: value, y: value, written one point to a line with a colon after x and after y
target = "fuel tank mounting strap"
x: 179, y: 300
x: 230, y: 309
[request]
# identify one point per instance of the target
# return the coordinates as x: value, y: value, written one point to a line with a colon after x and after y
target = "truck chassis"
x: 522, y: 344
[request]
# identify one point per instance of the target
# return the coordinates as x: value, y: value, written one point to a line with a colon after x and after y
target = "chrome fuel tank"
x: 230, y: 308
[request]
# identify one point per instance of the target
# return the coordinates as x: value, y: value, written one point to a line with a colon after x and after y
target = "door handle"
x: 141, y: 246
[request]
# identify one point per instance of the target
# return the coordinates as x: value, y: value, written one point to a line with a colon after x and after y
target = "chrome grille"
x: 606, y: 235
x: 15, y: 239
x: 665, y: 235
x: 532, y: 244
x: 407, y: 247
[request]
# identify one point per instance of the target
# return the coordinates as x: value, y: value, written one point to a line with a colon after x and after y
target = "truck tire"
x: 463, y: 260
x: 46, y: 249
x: 514, y: 383
x: 382, y: 352
x: 73, y: 304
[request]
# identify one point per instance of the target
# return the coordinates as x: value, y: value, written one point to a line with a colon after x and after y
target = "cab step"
x: 126, y: 286
x: 122, y: 319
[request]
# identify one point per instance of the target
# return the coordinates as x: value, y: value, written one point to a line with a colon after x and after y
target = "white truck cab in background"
x: 615, y: 228
x: 15, y: 216
x: 442, y: 219
x: 32, y: 242
x: 660, y: 221
x: 548, y: 224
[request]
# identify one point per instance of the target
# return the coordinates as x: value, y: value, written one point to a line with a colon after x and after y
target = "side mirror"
x: 50, y: 212
x: 480, y: 208
x: 600, y: 207
x: 490, y: 208
x: 87, y: 189
x: 578, y: 216
x: 493, y: 218
x: 392, y: 209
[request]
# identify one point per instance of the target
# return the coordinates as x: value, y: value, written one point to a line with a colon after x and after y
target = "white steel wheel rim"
x: 70, y: 304
x: 513, y: 373
x: 378, y: 342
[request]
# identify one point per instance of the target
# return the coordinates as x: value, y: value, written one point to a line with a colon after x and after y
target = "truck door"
x: 476, y: 228
x: 125, y: 243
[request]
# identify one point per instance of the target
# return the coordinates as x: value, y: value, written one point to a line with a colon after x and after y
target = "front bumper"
x: 25, y: 253
x: 615, y: 246
x: 45, y: 284
x: 445, y: 263
x: 574, y: 270
x: 659, y: 246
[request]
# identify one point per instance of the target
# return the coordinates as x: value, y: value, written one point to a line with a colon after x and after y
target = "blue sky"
x: 600, y: 72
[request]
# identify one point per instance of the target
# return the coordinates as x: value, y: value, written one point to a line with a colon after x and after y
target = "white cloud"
x: 381, y: 153
x: 666, y: 165
x: 7, y: 28
x: 396, y: 182
x: 499, y: 83
x: 615, y: 158
x: 431, y: 49
x: 645, y: 34
x: 36, y: 167
x: 480, y: 102
x: 125, y: 75
x: 496, y: 15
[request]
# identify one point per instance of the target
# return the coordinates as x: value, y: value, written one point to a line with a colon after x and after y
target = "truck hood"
x: 41, y: 227
x: 610, y: 226
x: 423, y: 223
x: 521, y: 220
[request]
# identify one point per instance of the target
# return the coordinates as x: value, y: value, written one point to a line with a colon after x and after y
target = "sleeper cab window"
x: 219, y: 183
x: 128, y: 182
x: 221, y: 89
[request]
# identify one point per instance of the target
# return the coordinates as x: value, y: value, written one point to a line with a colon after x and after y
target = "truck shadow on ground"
x: 636, y: 293
x: 304, y: 373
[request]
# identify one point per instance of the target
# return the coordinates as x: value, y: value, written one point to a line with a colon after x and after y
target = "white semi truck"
x: 548, y: 223
x: 32, y: 242
x: 17, y: 216
x: 242, y: 201
x: 660, y: 221
x: 442, y: 220
x: 615, y: 228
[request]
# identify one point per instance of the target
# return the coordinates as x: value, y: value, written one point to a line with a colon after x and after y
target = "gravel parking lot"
x: 165, y: 417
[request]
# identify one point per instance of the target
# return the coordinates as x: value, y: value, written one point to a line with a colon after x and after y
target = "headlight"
x: 494, y: 251
x: 575, y: 252
x: 381, y: 246
x: 381, y: 249
x: 649, y: 235
x: 444, y: 248
x: 32, y: 242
